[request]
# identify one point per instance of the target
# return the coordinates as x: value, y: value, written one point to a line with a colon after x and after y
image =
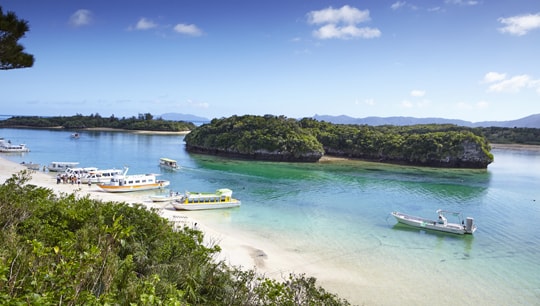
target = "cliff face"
x: 258, y: 154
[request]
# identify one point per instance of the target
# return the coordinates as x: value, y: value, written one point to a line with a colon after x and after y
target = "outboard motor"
x: 469, y: 225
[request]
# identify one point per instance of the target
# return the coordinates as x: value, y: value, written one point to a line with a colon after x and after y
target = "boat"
x: 8, y: 147
x: 166, y: 198
x: 79, y: 172
x: 168, y: 163
x: 222, y: 198
x: 61, y: 166
x: 136, y: 182
x: 31, y: 165
x: 75, y: 136
x: 441, y: 224
x: 100, y: 175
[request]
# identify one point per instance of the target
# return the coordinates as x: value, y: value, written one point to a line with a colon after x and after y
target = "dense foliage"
x: 142, y: 122
x: 258, y: 137
x: 433, y: 145
x: 12, y: 55
x: 62, y: 250
x: 530, y: 136
x: 430, y: 145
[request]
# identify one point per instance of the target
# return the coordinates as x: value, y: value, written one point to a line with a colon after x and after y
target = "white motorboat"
x: 8, y: 147
x: 31, y: 165
x: 442, y: 224
x: 100, y: 176
x: 222, y: 198
x: 61, y: 166
x: 135, y: 182
x: 168, y: 163
x: 166, y: 197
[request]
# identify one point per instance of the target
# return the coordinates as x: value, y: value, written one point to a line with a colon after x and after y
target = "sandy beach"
x: 238, y: 249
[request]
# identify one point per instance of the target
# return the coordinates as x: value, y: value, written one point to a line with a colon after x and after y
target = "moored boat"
x: 168, y: 163
x: 100, y: 176
x: 8, y: 147
x: 441, y: 224
x: 222, y: 198
x: 135, y: 182
x: 61, y: 166
x: 166, y: 198
x: 31, y: 165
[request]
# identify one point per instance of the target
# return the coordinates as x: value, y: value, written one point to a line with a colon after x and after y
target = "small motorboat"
x: 441, y: 224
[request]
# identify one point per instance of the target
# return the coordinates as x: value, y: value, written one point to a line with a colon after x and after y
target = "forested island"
x: 278, y: 138
x: 145, y: 122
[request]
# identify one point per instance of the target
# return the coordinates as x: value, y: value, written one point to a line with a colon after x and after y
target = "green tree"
x: 12, y: 55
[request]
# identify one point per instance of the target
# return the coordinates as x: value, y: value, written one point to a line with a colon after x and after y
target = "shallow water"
x: 337, y: 214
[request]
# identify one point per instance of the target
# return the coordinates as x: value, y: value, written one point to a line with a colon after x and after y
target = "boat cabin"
x: 168, y: 163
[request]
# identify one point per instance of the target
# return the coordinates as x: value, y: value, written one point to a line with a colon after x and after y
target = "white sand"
x: 238, y: 248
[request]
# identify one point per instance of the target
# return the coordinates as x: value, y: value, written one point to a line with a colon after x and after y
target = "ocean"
x: 336, y: 215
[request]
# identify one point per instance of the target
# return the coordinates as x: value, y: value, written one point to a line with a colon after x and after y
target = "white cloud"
x: 476, y: 106
x: 145, y: 24
x: 81, y: 17
x: 351, y: 31
x: 406, y: 104
x: 188, y: 29
x: 398, y: 5
x: 491, y: 77
x: 462, y: 2
x: 514, y: 84
x: 341, y: 23
x: 520, y: 25
x: 346, y: 14
x: 418, y: 93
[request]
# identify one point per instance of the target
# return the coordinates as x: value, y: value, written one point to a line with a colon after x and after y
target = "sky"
x: 475, y: 60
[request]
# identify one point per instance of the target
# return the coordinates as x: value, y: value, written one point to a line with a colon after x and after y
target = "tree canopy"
x: 283, y: 139
x: 65, y: 250
x: 142, y: 122
x: 12, y: 55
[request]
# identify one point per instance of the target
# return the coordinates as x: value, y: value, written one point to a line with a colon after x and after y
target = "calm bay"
x: 336, y: 215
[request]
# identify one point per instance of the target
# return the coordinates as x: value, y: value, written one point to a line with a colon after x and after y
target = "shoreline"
x: 515, y: 146
x: 238, y: 248
x: 104, y: 129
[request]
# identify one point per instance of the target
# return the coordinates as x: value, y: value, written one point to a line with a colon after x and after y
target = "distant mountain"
x: 183, y: 117
x: 532, y: 121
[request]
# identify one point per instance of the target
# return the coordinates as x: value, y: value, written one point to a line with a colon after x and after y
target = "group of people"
x: 72, y: 179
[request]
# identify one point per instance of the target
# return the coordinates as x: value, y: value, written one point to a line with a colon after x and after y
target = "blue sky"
x: 459, y: 59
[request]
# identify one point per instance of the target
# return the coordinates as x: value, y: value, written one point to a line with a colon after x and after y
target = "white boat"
x: 31, y: 165
x: 441, y: 224
x: 100, y: 176
x: 135, y: 182
x: 222, y: 198
x: 166, y: 198
x: 168, y: 163
x: 75, y: 136
x: 61, y: 166
x: 79, y: 172
x: 8, y: 147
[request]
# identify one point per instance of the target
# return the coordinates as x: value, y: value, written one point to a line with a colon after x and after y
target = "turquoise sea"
x: 336, y: 215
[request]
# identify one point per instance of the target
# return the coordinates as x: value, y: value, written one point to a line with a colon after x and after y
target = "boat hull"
x: 132, y: 188
x: 429, y: 224
x: 164, y: 198
x: 202, y: 206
